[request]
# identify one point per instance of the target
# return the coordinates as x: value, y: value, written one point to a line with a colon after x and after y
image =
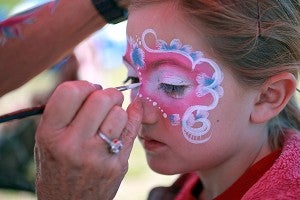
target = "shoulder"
x: 282, y: 180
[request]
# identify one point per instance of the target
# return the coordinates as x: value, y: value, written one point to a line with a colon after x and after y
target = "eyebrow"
x: 158, y: 62
x: 172, y: 61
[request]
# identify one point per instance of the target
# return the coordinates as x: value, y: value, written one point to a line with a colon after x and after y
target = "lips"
x: 150, y: 144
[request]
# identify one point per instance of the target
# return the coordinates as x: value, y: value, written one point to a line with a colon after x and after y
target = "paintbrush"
x: 20, y: 114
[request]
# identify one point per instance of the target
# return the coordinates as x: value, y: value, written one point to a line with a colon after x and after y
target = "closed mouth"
x: 150, y: 144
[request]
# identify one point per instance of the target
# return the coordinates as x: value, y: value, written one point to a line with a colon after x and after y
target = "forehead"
x: 167, y: 21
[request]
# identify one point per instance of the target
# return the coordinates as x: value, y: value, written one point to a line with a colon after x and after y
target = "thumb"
x: 135, y: 114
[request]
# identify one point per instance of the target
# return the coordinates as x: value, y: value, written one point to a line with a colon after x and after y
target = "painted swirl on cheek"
x: 183, y: 96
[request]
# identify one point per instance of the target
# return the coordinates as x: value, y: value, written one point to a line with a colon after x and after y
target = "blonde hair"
x: 256, y: 39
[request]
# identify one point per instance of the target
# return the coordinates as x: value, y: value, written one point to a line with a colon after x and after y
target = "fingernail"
x: 97, y: 86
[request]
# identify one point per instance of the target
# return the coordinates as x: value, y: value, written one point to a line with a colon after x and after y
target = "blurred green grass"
x: 9, y: 3
x: 6, y: 5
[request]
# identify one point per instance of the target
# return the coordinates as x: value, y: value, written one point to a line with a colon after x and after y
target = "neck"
x: 215, y: 181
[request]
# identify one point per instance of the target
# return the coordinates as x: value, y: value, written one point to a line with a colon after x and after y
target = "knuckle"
x: 73, y: 89
x: 117, y: 95
x: 98, y: 98
x: 65, y: 86
x: 106, y: 97
x: 67, y: 89
x: 120, y: 114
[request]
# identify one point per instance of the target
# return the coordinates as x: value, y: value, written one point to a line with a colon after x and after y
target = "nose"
x: 150, y: 113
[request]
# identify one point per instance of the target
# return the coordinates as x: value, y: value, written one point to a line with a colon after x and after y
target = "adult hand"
x: 73, y: 162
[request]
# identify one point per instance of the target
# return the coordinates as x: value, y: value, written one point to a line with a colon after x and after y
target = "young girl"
x: 216, y: 104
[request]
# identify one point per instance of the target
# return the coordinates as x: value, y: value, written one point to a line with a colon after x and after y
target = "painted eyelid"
x: 176, y: 81
x: 174, y: 85
x: 174, y: 91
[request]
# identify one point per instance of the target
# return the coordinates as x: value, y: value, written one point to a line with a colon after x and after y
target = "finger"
x: 114, y: 123
x: 94, y: 111
x: 65, y: 102
x: 135, y: 113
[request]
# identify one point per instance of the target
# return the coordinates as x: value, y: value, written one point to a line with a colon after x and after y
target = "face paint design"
x: 180, y: 82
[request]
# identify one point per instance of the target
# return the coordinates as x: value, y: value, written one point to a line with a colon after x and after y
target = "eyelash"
x: 132, y: 79
x: 175, y: 91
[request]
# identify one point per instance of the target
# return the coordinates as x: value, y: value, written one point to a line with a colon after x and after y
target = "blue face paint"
x: 181, y: 83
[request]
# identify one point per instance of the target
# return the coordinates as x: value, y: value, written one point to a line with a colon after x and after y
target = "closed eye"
x: 132, y: 76
x: 132, y: 79
x: 175, y: 91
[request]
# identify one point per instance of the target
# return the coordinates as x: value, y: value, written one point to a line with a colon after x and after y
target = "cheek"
x: 171, y: 108
x: 188, y: 111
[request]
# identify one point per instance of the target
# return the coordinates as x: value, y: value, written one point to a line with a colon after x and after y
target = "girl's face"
x: 183, y: 92
x: 181, y: 83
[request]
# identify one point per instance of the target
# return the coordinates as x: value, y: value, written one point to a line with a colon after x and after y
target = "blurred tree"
x: 16, y: 155
x: 17, y: 170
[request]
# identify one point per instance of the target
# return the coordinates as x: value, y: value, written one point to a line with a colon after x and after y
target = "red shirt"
x: 192, y: 186
x: 188, y: 186
x: 276, y: 176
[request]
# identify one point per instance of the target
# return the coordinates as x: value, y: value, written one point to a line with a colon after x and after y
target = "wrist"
x: 110, y: 10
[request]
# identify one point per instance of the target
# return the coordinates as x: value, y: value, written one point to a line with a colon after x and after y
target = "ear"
x: 273, y: 96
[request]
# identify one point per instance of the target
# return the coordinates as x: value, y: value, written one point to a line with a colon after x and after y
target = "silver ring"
x: 115, y: 145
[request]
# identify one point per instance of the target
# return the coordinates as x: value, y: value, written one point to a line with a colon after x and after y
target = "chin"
x: 164, y: 171
x: 162, y: 167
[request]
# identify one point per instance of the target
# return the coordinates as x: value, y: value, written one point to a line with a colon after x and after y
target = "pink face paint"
x: 181, y: 83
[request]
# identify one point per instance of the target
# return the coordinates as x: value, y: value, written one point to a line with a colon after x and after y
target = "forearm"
x: 47, y: 40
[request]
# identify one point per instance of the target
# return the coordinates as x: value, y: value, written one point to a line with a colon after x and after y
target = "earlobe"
x: 273, y: 96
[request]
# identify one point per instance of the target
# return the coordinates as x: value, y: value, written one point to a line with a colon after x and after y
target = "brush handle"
x: 20, y: 114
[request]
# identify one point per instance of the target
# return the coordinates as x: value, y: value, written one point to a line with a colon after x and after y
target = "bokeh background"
x: 97, y: 59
